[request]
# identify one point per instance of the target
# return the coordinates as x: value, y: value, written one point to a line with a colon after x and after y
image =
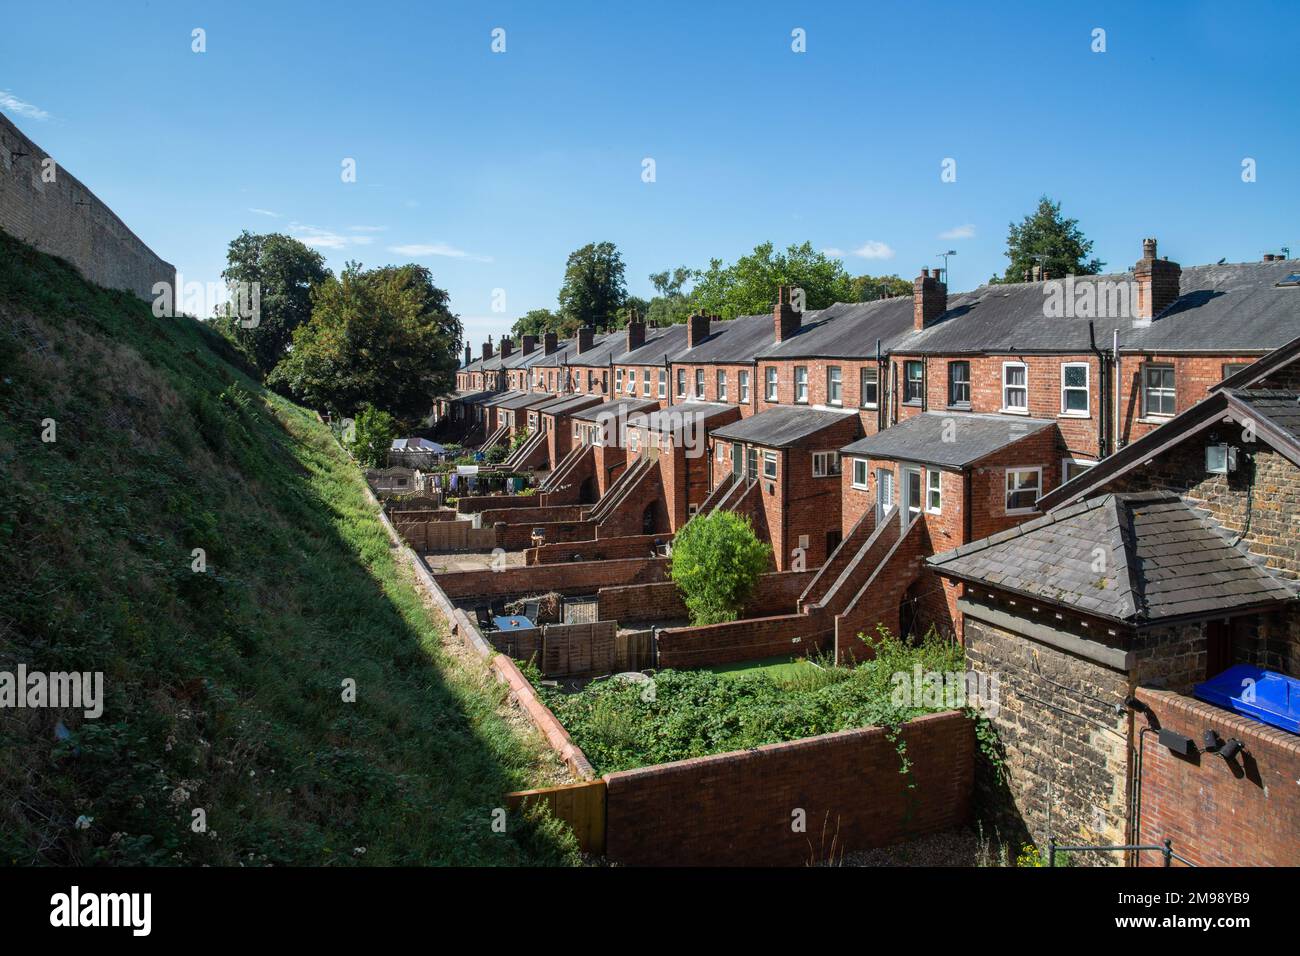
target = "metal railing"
x: 1165, y: 849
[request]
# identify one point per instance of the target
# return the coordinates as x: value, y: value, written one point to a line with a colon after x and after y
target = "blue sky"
x: 491, y: 167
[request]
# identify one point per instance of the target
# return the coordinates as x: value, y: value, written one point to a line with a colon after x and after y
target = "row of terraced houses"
x: 1047, y: 471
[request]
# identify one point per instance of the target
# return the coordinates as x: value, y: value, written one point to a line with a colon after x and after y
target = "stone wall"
x: 66, y: 219
x: 1063, y: 739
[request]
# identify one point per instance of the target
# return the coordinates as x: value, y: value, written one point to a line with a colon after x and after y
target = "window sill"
x: 860, y: 487
x: 1014, y: 411
x: 959, y: 407
x: 912, y: 404
x: 1083, y: 415
x: 1154, y: 419
x: 1022, y: 511
x: 870, y: 408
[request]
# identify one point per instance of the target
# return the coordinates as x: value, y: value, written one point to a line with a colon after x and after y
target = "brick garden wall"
x: 578, y: 577
x: 748, y: 639
x: 776, y: 593
x: 1245, y: 813
x: 740, y: 809
x: 66, y: 219
x: 600, y: 549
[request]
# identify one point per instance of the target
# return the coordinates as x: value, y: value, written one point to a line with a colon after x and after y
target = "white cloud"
x: 833, y: 252
x: 366, y: 228
x: 319, y: 238
x: 16, y: 106
x: 960, y: 232
x: 420, y: 250
x: 873, y: 249
x: 265, y: 212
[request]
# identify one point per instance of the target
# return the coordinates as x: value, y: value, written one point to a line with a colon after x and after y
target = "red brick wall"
x: 775, y: 593
x: 739, y: 809
x: 1218, y: 814
x: 1193, y: 377
x: 850, y: 380
x: 577, y: 577
x: 601, y: 549
x: 530, y: 515
x: 748, y: 639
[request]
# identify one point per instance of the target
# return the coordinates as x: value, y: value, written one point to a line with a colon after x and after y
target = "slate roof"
x: 1279, y: 406
x: 661, y: 344
x: 735, y: 340
x: 525, y: 400
x: 1220, y: 308
x: 571, y: 403
x: 1162, y: 560
x: 845, y: 330
x: 473, y: 397
x: 782, y: 426
x: 671, y: 420
x: 619, y: 406
x: 1224, y: 308
x: 930, y: 439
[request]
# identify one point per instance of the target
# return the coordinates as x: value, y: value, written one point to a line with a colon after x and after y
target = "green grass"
x: 621, y: 725
x: 223, y: 689
x: 779, y: 668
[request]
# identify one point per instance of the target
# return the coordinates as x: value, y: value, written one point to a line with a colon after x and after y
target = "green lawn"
x: 778, y: 668
x: 223, y: 688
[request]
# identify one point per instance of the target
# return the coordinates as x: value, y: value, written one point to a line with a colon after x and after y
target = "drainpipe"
x: 882, y: 411
x: 1102, y: 415
x: 1119, y: 395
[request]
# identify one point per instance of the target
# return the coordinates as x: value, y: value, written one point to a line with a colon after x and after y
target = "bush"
x: 716, y: 563
x: 375, y: 431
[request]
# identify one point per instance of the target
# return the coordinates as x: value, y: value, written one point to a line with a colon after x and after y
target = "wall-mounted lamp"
x: 1231, y: 748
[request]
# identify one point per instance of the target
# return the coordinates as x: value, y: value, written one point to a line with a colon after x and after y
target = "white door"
x: 913, y: 494
x: 884, y: 492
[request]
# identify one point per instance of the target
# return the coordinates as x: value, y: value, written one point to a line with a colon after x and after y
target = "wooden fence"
x: 580, y: 805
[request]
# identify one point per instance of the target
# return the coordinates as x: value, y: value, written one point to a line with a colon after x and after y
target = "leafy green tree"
x: 536, y: 322
x: 594, y: 288
x: 717, y: 560
x: 286, y: 271
x: 869, y: 288
x: 373, y: 434
x: 381, y: 337
x: 749, y: 286
x: 671, y: 306
x: 1046, y: 237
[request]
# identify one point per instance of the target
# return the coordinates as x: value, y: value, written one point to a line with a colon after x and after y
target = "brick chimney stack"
x: 469, y: 354
x: 1157, y: 282
x: 929, y: 299
x: 635, y: 331
x: 548, y: 343
x: 586, y: 335
x: 697, y: 330
x: 785, y: 320
x: 529, y: 344
x: 507, y: 347
x: 487, y: 348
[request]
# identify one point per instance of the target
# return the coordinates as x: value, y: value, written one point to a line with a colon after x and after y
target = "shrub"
x: 375, y: 431
x: 716, y: 563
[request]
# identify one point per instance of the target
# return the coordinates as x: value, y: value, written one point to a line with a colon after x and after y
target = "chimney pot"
x: 1148, y: 248
x: 507, y: 347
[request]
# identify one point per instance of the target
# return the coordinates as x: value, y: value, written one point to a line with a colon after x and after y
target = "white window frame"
x: 769, y: 458
x: 884, y: 486
x: 801, y: 384
x: 952, y: 365
x: 1007, y: 491
x: 770, y: 384
x: 681, y: 383
x: 663, y: 383
x: 618, y: 380
x: 1015, y: 409
x: 834, y: 385
x: 722, y: 385
x: 863, y: 383
x: 645, y: 385
x: 822, y: 458
x: 631, y: 381
x: 699, y: 383
x: 865, y: 466
x: 1067, y: 462
x: 633, y: 440
x: 1086, y: 388
x: 1146, y: 390
x: 933, y: 487
x: 908, y: 507
x: 721, y: 451
x: 742, y: 386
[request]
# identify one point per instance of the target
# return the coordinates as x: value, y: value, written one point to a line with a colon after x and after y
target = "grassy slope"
x: 223, y: 688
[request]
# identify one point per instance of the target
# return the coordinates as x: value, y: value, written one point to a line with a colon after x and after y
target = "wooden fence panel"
x: 580, y: 805
x: 633, y: 650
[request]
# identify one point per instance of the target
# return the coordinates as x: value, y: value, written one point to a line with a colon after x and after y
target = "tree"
x: 671, y: 306
x: 869, y: 288
x: 373, y: 434
x: 716, y: 563
x: 286, y: 271
x: 382, y: 337
x: 1045, y: 237
x: 535, y: 322
x: 749, y: 286
x: 594, y: 288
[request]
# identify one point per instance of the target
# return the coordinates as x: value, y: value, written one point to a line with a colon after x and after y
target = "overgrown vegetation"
x: 621, y: 724
x: 717, y: 560
x: 373, y: 434
x: 224, y: 688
